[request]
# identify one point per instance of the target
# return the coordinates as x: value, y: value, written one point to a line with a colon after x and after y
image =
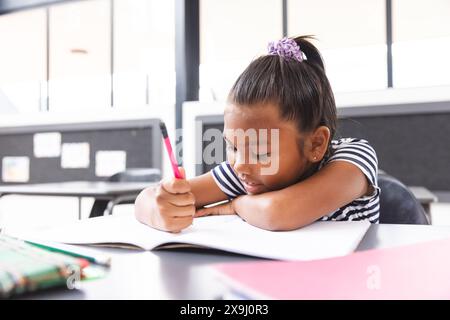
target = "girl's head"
x: 286, y: 90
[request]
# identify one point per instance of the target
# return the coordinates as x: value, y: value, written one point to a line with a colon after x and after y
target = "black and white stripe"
x: 227, y: 180
x: 360, y: 153
x: 355, y: 151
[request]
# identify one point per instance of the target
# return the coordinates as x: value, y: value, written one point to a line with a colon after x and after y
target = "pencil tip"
x: 163, y: 128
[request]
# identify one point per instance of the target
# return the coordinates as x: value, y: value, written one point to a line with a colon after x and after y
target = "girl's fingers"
x: 180, y: 200
x: 180, y: 223
x: 183, y: 173
x: 222, y: 209
x: 201, y: 213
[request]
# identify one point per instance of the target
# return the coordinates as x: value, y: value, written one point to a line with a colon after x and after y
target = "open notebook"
x: 226, y: 233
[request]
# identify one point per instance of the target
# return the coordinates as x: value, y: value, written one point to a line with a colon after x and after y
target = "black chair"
x: 129, y: 175
x: 398, y: 204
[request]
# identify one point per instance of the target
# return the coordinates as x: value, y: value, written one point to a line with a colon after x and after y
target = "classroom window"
x: 144, y: 52
x: 80, y: 56
x: 23, y: 61
x: 351, y: 37
x: 232, y: 33
x: 421, y: 35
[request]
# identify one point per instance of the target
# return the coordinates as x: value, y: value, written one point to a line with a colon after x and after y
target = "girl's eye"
x: 263, y: 157
x: 231, y: 148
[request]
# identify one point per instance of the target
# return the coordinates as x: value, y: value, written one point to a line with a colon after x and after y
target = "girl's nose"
x: 241, y: 166
x: 242, y: 169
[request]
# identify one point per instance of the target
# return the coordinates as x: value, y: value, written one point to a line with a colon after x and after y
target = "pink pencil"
x: 173, y: 161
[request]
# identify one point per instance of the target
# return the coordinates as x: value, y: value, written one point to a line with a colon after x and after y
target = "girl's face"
x: 252, y: 158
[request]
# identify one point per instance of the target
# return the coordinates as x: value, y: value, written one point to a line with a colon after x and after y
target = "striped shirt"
x: 355, y: 151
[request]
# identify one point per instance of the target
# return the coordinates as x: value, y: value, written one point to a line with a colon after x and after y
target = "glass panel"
x: 351, y: 37
x: 232, y: 33
x: 23, y: 61
x: 421, y: 32
x: 144, y: 52
x: 80, y: 64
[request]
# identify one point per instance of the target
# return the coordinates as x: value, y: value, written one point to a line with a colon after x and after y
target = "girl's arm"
x: 334, y: 186
x: 205, y: 190
x: 171, y: 205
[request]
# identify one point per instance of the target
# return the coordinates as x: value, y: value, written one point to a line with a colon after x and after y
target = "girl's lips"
x: 251, y: 187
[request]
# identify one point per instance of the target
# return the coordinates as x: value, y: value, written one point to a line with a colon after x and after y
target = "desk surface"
x: 184, y: 274
x: 76, y: 189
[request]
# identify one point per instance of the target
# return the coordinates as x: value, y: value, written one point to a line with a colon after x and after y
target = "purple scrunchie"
x: 286, y: 48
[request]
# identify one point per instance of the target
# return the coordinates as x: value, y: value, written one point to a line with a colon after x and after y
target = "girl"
x: 316, y: 177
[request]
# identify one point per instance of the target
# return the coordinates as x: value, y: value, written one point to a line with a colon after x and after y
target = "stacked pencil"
x: 25, y: 267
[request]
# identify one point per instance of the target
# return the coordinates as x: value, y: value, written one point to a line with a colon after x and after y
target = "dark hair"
x: 301, y: 89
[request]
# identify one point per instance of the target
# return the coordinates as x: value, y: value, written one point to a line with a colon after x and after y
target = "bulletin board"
x: 87, y: 151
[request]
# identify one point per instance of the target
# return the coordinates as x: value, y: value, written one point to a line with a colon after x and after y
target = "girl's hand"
x: 221, y: 209
x: 168, y: 207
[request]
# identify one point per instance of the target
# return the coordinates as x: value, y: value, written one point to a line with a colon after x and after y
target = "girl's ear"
x: 318, y: 144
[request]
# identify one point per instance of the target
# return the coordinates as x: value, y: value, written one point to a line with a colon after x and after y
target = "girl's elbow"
x: 263, y: 216
x: 282, y: 218
x: 275, y: 218
x: 270, y: 219
x: 286, y: 224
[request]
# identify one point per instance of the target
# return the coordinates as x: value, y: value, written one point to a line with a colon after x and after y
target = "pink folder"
x: 419, y: 271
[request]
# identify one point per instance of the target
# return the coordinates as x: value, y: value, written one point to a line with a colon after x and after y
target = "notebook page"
x: 316, y: 241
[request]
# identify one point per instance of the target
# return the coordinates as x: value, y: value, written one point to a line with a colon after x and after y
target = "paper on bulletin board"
x: 16, y: 169
x: 47, y: 145
x: 75, y: 155
x: 110, y: 162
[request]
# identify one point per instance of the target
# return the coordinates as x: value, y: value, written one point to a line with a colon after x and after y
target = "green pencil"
x: 72, y: 251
